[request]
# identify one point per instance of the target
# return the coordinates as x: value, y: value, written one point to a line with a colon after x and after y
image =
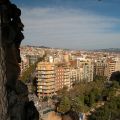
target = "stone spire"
x: 14, y: 103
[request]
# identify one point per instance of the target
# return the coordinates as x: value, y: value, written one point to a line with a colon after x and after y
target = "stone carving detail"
x: 14, y: 103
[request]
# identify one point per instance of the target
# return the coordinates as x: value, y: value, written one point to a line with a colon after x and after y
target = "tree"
x: 111, y: 110
x: 63, y: 91
x: 26, y: 76
x: 64, y: 104
x: 91, y: 99
x: 77, y: 104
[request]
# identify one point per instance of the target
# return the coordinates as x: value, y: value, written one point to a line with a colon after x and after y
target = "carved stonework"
x: 14, y: 103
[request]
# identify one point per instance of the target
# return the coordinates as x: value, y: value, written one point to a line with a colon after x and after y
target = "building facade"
x: 100, y: 68
x: 45, y: 79
x: 59, y: 78
x: 86, y: 69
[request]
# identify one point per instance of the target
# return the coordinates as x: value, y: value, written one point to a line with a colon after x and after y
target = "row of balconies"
x: 46, y: 72
x: 46, y: 80
x: 46, y: 87
x: 45, y: 91
x: 45, y: 84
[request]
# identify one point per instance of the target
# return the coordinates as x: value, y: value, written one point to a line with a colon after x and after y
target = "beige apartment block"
x: 46, y: 79
x: 66, y: 57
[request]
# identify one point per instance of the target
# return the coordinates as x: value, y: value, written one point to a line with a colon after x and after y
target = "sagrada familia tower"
x: 14, y: 103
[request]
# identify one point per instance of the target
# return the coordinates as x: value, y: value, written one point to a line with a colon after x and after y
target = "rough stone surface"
x: 14, y: 102
x: 19, y: 105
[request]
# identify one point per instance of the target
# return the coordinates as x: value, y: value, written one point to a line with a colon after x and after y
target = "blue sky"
x: 77, y: 24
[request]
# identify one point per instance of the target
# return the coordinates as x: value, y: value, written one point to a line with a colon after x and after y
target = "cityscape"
x: 59, y: 60
x: 56, y: 70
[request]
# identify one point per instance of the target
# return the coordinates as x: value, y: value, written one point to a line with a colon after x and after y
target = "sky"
x: 71, y: 24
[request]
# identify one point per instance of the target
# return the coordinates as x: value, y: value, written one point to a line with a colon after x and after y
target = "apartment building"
x: 111, y: 67
x: 66, y: 57
x: 86, y: 69
x: 117, y: 66
x: 73, y: 76
x: 62, y: 76
x: 80, y: 73
x: 46, y: 79
x: 24, y: 65
x: 67, y: 76
x: 100, y: 68
x: 32, y: 59
x: 59, y: 78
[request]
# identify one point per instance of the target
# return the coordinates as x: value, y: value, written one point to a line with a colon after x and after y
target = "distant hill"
x: 116, y: 50
x: 38, y: 46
